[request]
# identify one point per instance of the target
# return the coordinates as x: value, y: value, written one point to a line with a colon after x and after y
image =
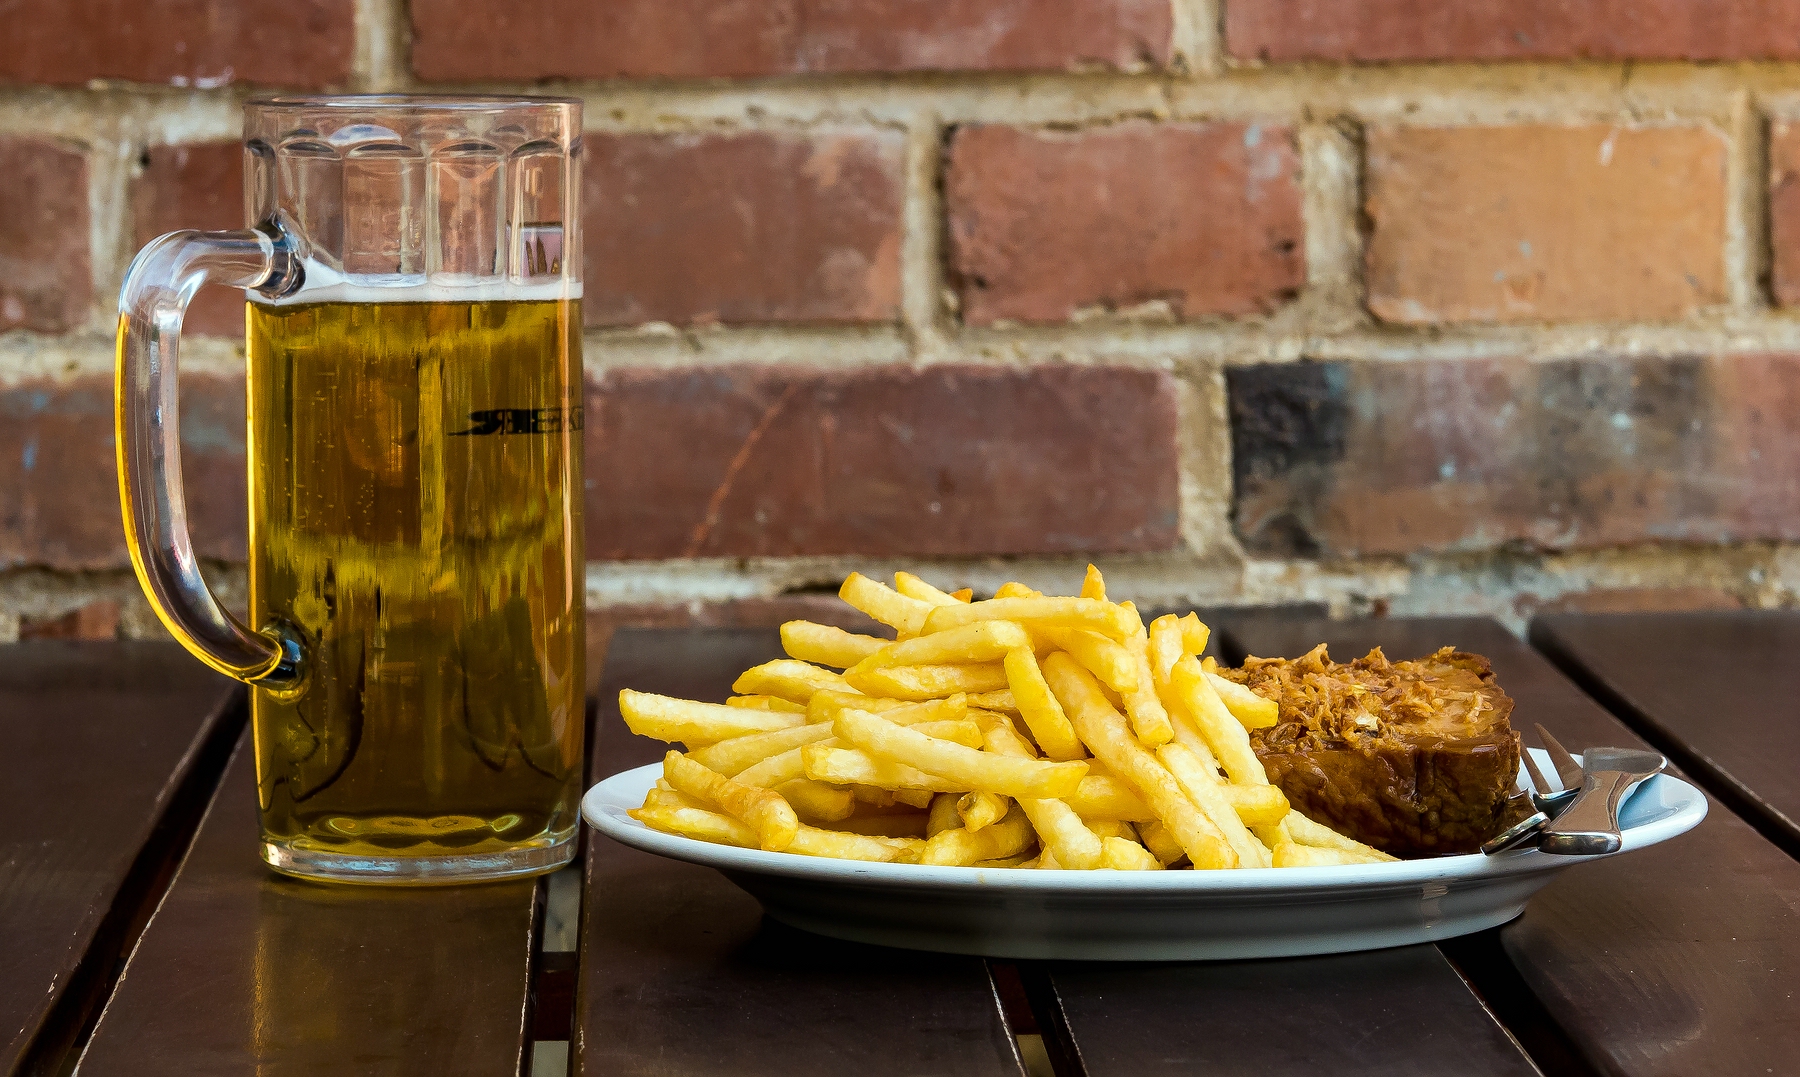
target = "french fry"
x: 825, y: 705
x: 728, y: 757
x: 817, y: 802
x: 965, y: 732
x: 1223, y: 733
x: 963, y: 594
x: 789, y: 679
x: 1034, y: 614
x: 1058, y: 827
x: 1165, y: 649
x: 1108, y: 828
x: 669, y: 798
x: 1148, y: 718
x: 984, y: 641
x: 1105, y: 658
x: 1246, y: 706
x: 810, y: 841
x: 977, y: 810
x: 1008, y: 837
x: 913, y: 798
x: 975, y: 770
x: 1122, y: 854
x: 885, y: 824
x: 1194, y: 635
x: 931, y: 682
x: 906, y: 616
x: 1047, y: 861
x: 1161, y: 843
x: 1016, y: 590
x: 766, y: 703
x: 1104, y: 731
x: 827, y: 645
x: 1093, y: 585
x: 1203, y: 787
x: 850, y: 766
x: 773, y: 771
x: 1103, y: 796
x: 762, y: 809
x: 694, y: 723
x: 1257, y: 805
x: 1292, y: 855
x: 697, y: 823
x: 942, y: 815
x: 1003, y: 700
x: 1038, y: 707
x: 913, y: 587
x: 1304, y: 831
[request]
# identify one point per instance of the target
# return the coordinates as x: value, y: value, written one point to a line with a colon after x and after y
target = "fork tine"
x: 1539, y: 783
x: 1566, y: 768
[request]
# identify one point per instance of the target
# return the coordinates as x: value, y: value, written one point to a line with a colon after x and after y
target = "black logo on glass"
x: 521, y: 421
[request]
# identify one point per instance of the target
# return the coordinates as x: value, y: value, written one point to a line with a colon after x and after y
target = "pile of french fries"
x: 1024, y: 731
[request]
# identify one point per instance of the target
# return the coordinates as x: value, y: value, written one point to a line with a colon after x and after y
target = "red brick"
x: 944, y: 461
x: 753, y: 227
x: 733, y: 613
x: 97, y: 620
x: 1205, y: 217
x: 455, y: 40
x: 1376, y: 30
x: 202, y: 43
x: 1384, y: 458
x: 1509, y: 224
x: 198, y: 186
x: 46, y: 282
x: 59, y: 493
x: 1784, y: 211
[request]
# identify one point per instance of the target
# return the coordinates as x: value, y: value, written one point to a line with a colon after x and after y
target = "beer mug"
x: 414, y: 644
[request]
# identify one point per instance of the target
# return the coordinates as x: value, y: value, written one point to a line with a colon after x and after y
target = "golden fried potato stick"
x: 827, y: 645
x: 978, y: 771
x: 1257, y: 805
x: 852, y: 766
x: 1103, y: 796
x: 1105, y: 732
x: 669, y: 798
x: 1246, y: 706
x: 1204, y: 788
x: 696, y: 823
x: 1035, y: 613
x: 913, y: 587
x: 1003, y: 700
x: 1194, y: 634
x: 1104, y: 658
x: 1224, y: 734
x: 1108, y: 828
x: 930, y: 682
x: 884, y: 824
x: 788, y: 679
x: 1093, y: 585
x: 825, y: 705
x: 766, y: 703
x: 763, y: 809
x: 905, y: 616
x: 984, y: 641
x: 728, y: 757
x: 977, y: 810
x: 914, y: 798
x: 1161, y: 843
x: 1047, y: 861
x: 1123, y: 854
x: 1008, y: 837
x: 1148, y: 718
x: 965, y: 732
x: 1165, y: 649
x: 692, y: 723
x: 1016, y: 590
x: 1038, y: 707
x: 1291, y: 855
x: 963, y: 594
x: 843, y: 845
x: 1304, y: 831
x: 817, y: 802
x: 773, y: 771
x: 942, y: 814
x: 1058, y: 826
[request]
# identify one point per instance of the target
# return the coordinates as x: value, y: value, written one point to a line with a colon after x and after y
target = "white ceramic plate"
x: 1140, y: 915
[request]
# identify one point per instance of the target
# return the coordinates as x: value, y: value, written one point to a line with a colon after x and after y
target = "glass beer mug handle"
x: 158, y: 286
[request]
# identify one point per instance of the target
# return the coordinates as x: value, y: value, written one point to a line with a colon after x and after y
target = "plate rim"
x: 602, y: 810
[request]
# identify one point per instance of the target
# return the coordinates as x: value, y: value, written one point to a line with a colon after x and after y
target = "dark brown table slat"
x: 680, y: 974
x: 1716, y: 690
x: 1390, y: 1012
x: 99, y: 737
x: 246, y: 972
x: 1679, y: 959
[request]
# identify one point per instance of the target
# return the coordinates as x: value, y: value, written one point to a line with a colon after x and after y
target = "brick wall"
x: 1403, y: 305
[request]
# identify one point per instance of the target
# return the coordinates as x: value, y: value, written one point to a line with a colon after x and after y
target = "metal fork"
x: 1551, y: 801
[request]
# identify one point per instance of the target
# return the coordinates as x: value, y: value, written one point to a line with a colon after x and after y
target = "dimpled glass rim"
x: 410, y: 102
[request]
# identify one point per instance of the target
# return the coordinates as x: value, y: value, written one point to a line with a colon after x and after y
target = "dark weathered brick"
x: 96, y: 620
x: 194, y: 186
x: 1371, y: 458
x: 947, y: 461
x: 59, y: 492
x: 460, y: 40
x: 1529, y: 223
x: 46, y: 278
x: 1374, y: 30
x: 1042, y: 223
x: 753, y: 227
x: 201, y: 43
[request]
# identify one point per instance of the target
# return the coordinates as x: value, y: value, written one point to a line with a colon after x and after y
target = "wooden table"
x: 1680, y: 959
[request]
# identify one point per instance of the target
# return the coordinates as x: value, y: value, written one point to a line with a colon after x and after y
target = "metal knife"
x: 1589, y: 826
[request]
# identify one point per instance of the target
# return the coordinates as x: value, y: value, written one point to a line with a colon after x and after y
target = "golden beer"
x: 415, y: 519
